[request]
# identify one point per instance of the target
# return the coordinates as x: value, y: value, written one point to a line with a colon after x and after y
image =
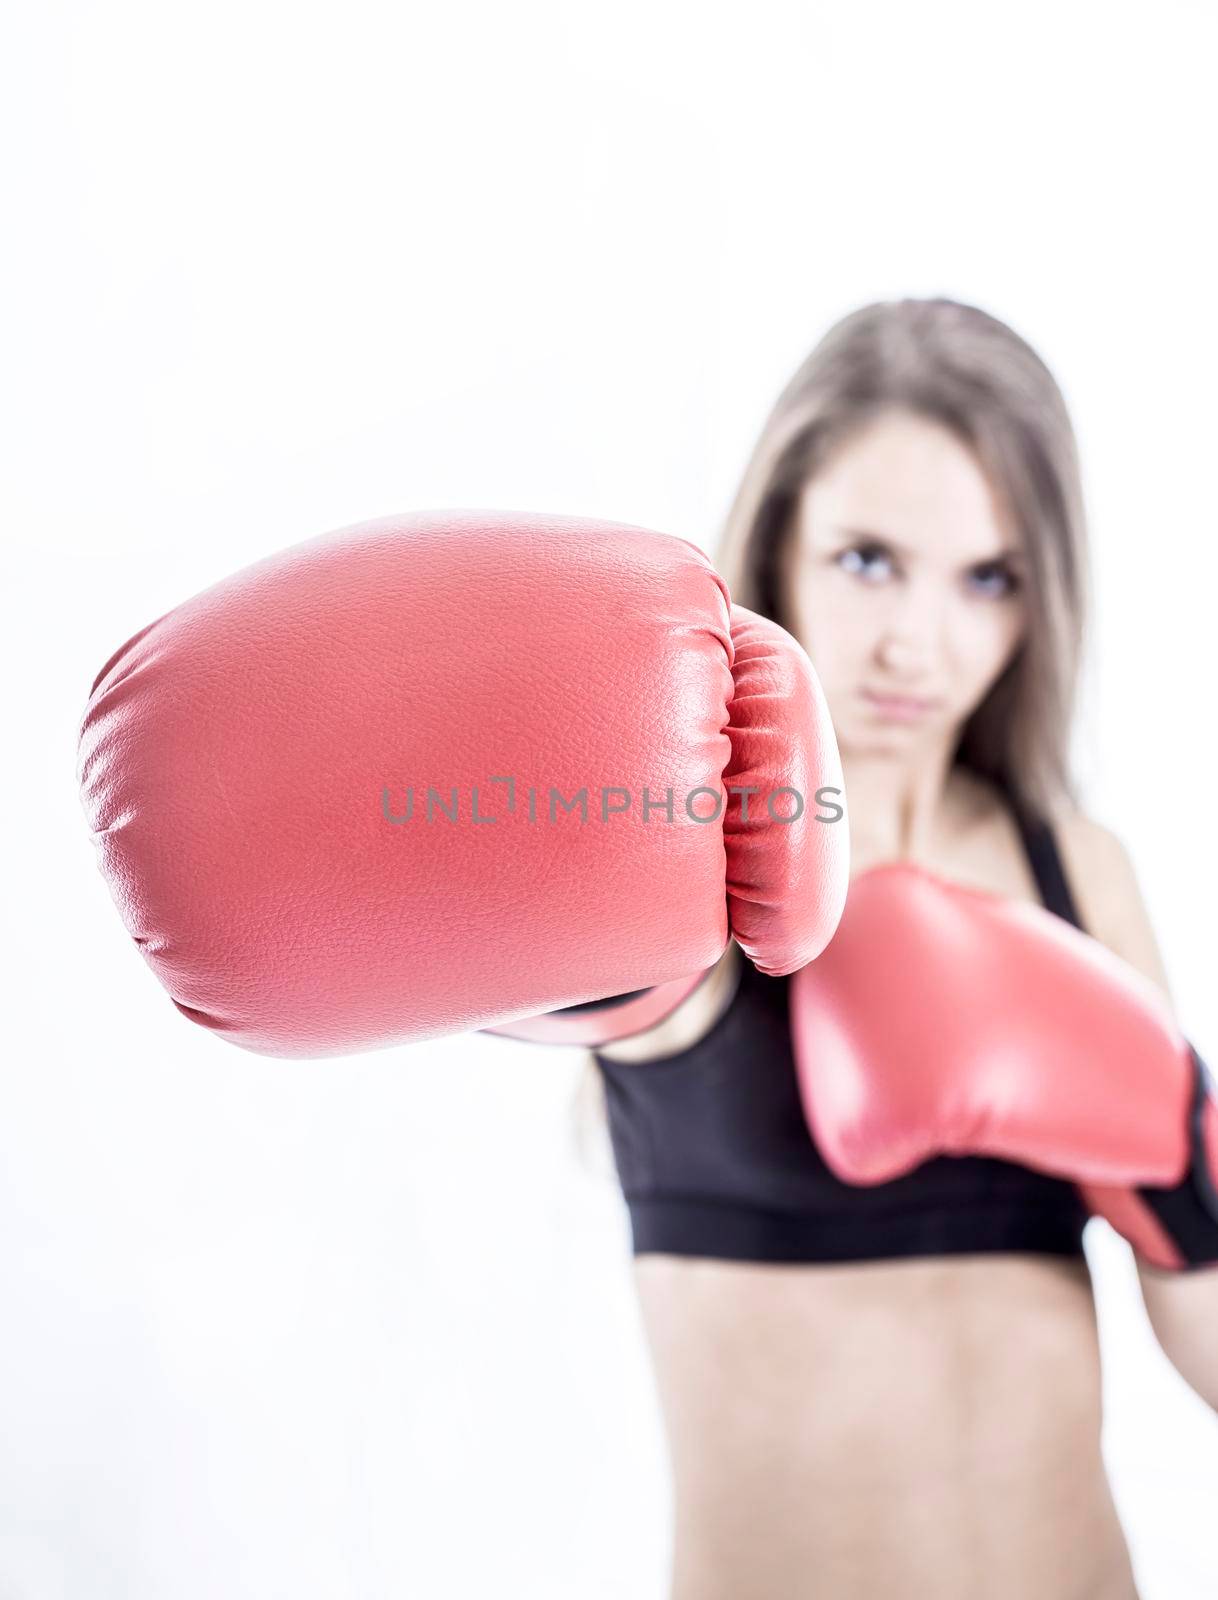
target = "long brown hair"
x: 966, y: 370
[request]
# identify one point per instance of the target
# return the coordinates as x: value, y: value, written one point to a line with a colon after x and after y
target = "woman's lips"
x: 898, y: 707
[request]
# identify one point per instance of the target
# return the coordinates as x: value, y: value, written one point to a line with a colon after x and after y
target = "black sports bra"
x: 715, y: 1157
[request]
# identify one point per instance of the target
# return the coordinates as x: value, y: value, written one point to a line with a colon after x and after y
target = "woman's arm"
x: 1183, y: 1311
x: 691, y: 1020
x: 1182, y: 1306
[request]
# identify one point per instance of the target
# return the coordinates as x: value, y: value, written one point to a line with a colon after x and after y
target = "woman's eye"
x: 869, y: 562
x: 993, y: 580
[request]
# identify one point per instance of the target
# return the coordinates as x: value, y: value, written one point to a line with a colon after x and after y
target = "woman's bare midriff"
x: 909, y: 1429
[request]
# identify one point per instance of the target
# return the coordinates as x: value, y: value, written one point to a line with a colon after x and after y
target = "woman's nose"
x: 912, y: 631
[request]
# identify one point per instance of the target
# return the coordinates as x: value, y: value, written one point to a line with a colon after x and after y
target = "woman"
x: 855, y: 1407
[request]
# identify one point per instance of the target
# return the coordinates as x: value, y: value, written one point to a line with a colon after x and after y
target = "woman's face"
x: 907, y: 581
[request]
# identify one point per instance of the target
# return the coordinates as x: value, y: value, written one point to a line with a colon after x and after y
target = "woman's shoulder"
x: 1106, y: 889
x: 1098, y: 868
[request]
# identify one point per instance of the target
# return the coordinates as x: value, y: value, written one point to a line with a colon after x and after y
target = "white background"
x: 364, y: 1328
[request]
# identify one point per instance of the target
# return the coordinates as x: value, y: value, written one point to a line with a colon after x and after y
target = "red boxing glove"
x: 944, y: 1020
x: 442, y: 771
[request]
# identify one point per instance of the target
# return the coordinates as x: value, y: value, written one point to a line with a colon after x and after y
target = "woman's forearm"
x: 1183, y: 1311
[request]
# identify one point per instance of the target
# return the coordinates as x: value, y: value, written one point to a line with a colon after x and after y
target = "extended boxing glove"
x: 447, y: 770
x: 945, y: 1020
